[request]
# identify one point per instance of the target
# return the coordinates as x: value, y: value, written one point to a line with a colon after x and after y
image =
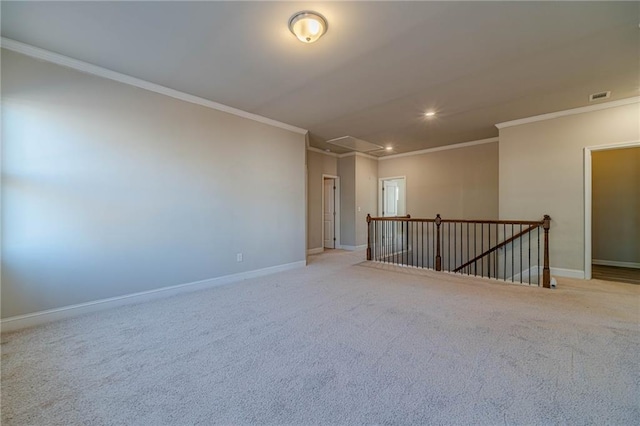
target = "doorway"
x: 330, y: 211
x: 392, y: 196
x: 612, y: 224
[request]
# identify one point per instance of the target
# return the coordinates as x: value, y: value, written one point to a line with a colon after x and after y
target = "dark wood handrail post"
x: 546, y: 272
x: 438, y: 258
x: 368, y: 236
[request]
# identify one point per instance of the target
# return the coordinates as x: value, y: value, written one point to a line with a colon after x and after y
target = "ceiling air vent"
x: 599, y: 96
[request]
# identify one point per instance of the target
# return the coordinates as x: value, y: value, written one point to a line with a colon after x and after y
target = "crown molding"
x: 440, y: 148
x: 55, y: 58
x: 319, y: 151
x: 581, y: 110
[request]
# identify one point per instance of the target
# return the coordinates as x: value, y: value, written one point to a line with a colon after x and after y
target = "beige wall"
x: 366, y: 195
x: 459, y: 183
x: 109, y: 190
x: 317, y: 165
x: 616, y: 205
x: 541, y: 172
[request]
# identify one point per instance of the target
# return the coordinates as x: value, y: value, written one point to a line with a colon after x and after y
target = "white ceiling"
x: 380, y: 66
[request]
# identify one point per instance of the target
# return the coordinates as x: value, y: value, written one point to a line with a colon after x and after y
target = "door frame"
x: 336, y: 206
x: 588, y: 197
x: 381, y: 198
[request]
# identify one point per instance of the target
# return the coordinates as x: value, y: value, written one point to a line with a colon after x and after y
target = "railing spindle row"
x: 505, y: 250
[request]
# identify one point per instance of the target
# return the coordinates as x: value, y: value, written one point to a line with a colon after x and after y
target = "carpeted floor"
x: 338, y: 342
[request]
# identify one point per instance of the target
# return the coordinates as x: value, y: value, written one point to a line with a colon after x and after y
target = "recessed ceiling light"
x: 308, y: 26
x: 389, y: 148
x: 430, y: 114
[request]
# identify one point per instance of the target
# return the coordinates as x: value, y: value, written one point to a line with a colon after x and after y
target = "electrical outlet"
x: 239, y: 257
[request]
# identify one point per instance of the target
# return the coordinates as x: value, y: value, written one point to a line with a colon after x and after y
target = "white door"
x: 329, y: 213
x: 390, y: 191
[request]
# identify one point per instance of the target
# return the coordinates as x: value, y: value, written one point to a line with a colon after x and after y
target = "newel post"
x: 546, y: 272
x: 368, y: 236
x: 438, y: 258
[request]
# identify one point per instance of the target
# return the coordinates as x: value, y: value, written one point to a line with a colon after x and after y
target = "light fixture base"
x: 308, y: 26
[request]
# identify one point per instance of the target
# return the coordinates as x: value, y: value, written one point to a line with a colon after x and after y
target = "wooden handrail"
x: 408, y: 218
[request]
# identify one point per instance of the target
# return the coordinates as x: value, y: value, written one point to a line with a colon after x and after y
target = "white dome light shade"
x: 308, y: 26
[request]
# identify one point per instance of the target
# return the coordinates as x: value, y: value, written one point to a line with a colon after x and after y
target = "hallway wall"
x: 542, y: 172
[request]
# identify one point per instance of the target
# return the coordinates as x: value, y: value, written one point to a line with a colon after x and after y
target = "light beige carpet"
x: 338, y: 342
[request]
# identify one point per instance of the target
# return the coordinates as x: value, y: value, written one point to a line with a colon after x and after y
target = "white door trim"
x: 588, y: 199
x: 336, y: 206
x: 380, y: 197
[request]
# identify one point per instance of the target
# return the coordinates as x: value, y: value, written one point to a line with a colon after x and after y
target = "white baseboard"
x: 316, y: 250
x: 353, y: 248
x: 37, y: 318
x: 567, y: 273
x: 634, y: 265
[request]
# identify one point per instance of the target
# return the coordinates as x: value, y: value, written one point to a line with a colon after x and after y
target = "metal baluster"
x: 529, y: 261
x: 482, y: 249
x: 449, y: 246
x: 475, y: 244
x: 504, y: 235
x: 513, y: 266
x: 374, y: 242
x: 538, y: 256
x: 422, y: 245
x: 455, y: 242
x: 395, y: 237
x: 468, y: 267
x: 521, y: 271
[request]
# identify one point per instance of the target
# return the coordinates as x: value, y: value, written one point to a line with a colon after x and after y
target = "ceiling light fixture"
x: 389, y: 148
x: 308, y: 26
x: 430, y: 114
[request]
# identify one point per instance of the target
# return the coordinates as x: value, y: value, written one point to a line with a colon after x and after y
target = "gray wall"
x: 347, y: 173
x: 459, y: 183
x: 358, y: 180
x: 109, y: 190
x: 541, y: 171
x: 616, y: 205
x: 317, y: 165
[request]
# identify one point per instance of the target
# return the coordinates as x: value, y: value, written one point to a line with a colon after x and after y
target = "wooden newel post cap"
x: 546, y: 222
x: 438, y: 219
x: 368, y: 217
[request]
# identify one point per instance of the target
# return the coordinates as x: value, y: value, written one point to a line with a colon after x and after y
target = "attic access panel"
x: 355, y: 144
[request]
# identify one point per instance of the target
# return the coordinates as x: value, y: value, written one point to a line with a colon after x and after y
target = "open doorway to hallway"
x: 615, y: 214
x: 392, y: 198
x: 331, y: 211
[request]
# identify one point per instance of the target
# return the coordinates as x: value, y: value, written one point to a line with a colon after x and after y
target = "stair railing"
x: 508, y: 250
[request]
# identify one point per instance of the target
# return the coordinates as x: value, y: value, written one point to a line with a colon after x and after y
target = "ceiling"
x: 377, y: 70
